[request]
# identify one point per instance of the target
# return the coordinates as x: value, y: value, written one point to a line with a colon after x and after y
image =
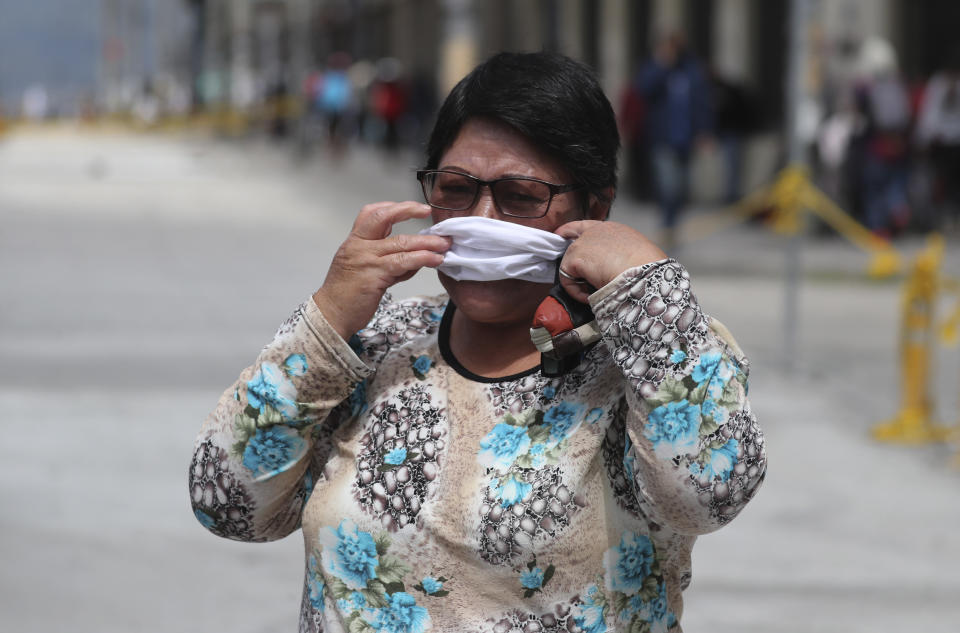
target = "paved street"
x: 139, y: 274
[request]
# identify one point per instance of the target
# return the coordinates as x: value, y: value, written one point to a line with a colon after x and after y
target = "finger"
x: 573, y: 230
x: 375, y: 221
x: 579, y: 290
x: 404, y: 262
x: 405, y: 242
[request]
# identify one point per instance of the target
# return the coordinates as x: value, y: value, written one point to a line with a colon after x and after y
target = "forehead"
x: 489, y: 149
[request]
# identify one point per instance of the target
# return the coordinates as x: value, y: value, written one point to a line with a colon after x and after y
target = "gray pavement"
x: 139, y: 274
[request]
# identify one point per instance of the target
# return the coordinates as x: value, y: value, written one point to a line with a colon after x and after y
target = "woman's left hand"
x: 600, y: 251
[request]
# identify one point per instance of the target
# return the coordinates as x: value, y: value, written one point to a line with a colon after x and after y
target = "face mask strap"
x: 563, y: 329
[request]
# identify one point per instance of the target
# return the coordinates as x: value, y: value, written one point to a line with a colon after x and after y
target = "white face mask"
x: 485, y: 249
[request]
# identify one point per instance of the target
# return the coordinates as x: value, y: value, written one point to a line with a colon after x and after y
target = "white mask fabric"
x: 485, y: 249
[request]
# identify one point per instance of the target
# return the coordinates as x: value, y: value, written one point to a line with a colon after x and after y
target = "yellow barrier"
x: 914, y: 423
x: 950, y: 335
x: 788, y: 198
x: 220, y: 119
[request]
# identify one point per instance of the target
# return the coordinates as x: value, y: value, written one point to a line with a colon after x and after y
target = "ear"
x: 599, y: 205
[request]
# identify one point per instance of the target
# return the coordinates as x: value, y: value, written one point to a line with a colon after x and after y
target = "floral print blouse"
x: 432, y: 499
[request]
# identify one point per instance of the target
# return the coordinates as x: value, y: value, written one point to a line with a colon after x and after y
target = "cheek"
x: 439, y: 215
x: 560, y: 216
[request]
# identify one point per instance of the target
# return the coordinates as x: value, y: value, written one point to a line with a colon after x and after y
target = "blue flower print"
x: 658, y: 607
x: 594, y: 415
x: 722, y: 461
x: 549, y: 392
x: 272, y: 450
x: 205, y: 519
x: 431, y: 584
x: 510, y: 490
x: 628, y: 564
x: 401, y: 615
x: 538, y: 455
x: 720, y: 379
x: 349, y: 554
x: 591, y: 619
x: 355, y: 602
x: 634, y: 605
x: 396, y: 456
x: 711, y: 409
x: 270, y: 387
x: 315, y: 584
x: 296, y: 365
x: 706, y: 367
x: 563, y: 420
x: 673, y: 428
x: 591, y: 612
x: 657, y: 612
x: 712, y: 367
x: 532, y: 579
x: 678, y: 356
x: 421, y: 365
x: 501, y: 446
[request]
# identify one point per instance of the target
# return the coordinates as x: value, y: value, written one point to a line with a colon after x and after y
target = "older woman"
x: 443, y: 480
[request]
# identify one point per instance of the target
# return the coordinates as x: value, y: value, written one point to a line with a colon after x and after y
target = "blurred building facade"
x: 144, y: 61
x: 244, y: 48
x: 234, y: 52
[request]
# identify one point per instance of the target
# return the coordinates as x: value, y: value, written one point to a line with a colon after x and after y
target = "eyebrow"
x: 507, y: 175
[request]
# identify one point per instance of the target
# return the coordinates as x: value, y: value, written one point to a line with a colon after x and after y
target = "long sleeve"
x: 249, y: 476
x: 693, y: 448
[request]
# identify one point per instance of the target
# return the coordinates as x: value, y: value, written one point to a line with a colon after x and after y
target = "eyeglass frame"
x: 554, y: 188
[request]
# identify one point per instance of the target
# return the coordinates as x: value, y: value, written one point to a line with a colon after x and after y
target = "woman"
x: 442, y: 481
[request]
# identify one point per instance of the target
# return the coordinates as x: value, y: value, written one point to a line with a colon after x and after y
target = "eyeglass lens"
x: 456, y: 192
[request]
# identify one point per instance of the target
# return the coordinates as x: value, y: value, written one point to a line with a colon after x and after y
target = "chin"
x: 504, y: 301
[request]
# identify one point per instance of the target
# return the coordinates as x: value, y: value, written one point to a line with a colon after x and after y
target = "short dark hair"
x: 554, y: 101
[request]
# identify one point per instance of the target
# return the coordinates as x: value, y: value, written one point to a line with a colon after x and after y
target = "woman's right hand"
x: 370, y: 260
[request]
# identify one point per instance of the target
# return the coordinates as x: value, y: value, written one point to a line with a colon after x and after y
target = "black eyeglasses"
x: 516, y: 196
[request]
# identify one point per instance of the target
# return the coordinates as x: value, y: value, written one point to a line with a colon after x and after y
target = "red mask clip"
x: 563, y: 329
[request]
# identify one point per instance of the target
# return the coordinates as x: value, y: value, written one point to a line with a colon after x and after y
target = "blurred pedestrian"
x: 421, y: 108
x: 632, y: 122
x: 442, y: 478
x: 884, y: 102
x: 833, y: 146
x: 334, y: 98
x: 736, y: 116
x: 388, y: 96
x: 676, y: 92
x: 938, y: 135
x: 361, y: 74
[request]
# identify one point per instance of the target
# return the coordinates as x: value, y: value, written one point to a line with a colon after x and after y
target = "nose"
x: 484, y: 207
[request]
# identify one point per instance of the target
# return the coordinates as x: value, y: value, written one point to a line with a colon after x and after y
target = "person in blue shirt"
x: 676, y: 91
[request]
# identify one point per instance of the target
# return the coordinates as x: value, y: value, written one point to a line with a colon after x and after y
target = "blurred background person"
x: 675, y: 90
x: 833, y: 149
x: 388, y: 99
x: 938, y: 136
x: 632, y: 121
x: 736, y: 115
x: 334, y: 97
x: 884, y: 103
x: 361, y: 74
